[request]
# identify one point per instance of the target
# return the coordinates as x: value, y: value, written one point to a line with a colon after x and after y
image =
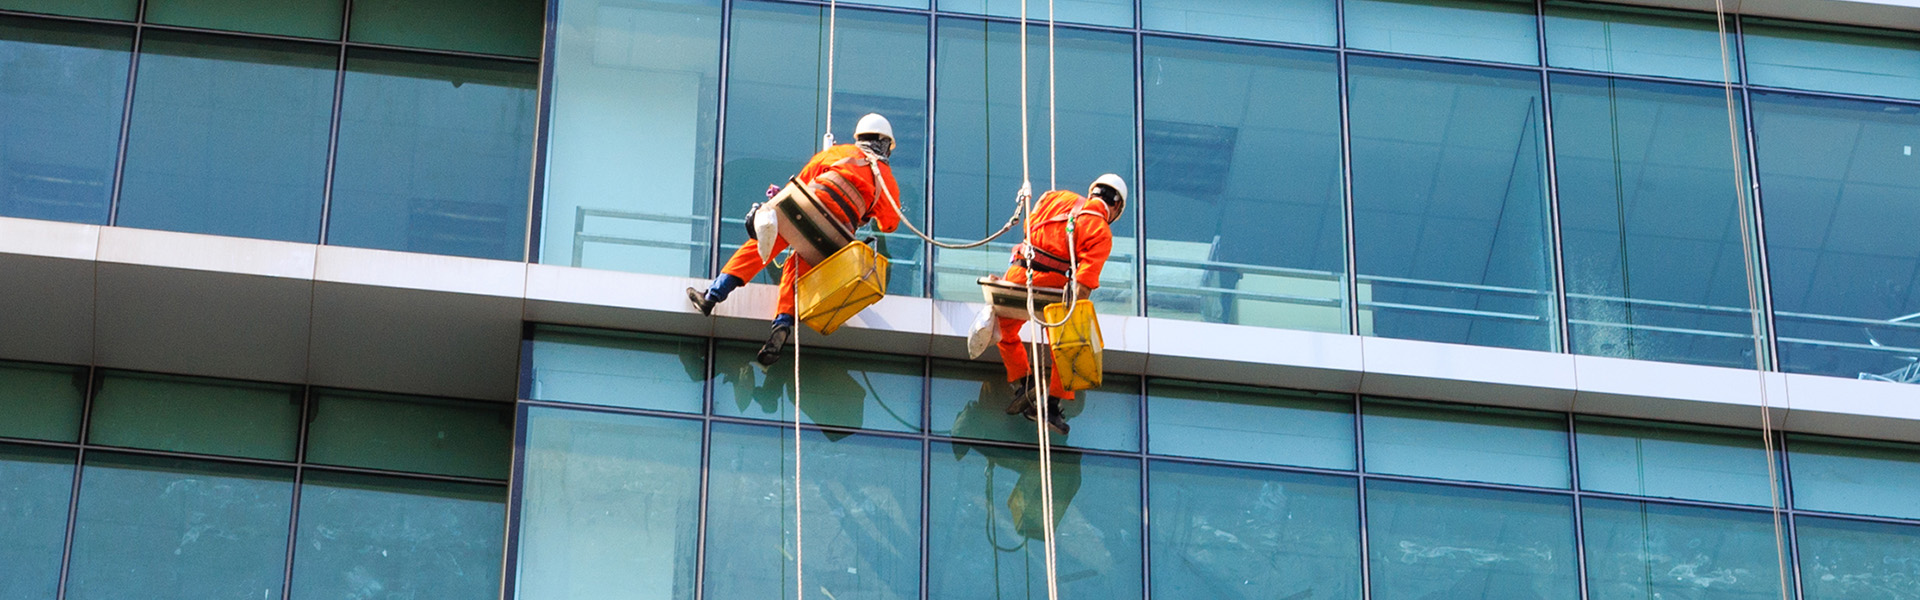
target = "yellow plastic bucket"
x: 1076, y: 345
x: 840, y: 287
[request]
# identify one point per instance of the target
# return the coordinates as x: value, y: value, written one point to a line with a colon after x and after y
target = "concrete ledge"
x: 1496, y: 376
x: 1676, y: 392
x: 1854, y: 408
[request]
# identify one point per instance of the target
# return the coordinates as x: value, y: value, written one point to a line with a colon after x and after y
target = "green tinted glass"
x: 970, y: 401
x: 846, y: 389
x: 298, y: 18
x: 60, y: 113
x: 1114, y: 13
x: 35, y: 485
x: 418, y: 435
x: 506, y: 27
x: 119, y: 10
x: 1249, y: 424
x: 170, y: 529
x: 1230, y: 533
x: 987, y: 525
x: 860, y: 498
x: 400, y: 538
x: 1854, y: 476
x: 610, y: 507
x: 1492, y: 30
x: 1300, y: 21
x: 1853, y: 560
x: 203, y: 416
x: 1642, y: 41
x: 41, y: 402
x: 1641, y: 550
x: 1494, y: 445
x: 1431, y: 541
x: 612, y: 368
x: 1672, y: 461
x: 1833, y: 58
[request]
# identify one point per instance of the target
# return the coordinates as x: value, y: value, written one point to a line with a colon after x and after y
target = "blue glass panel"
x: 986, y: 530
x: 1833, y: 58
x: 846, y: 389
x: 1493, y: 445
x: 619, y: 369
x: 1250, y: 424
x: 169, y: 529
x: 417, y: 435
x: 35, y: 486
x: 41, y: 402
x: 435, y: 154
x: 202, y: 416
x: 1114, y: 13
x: 1298, y: 21
x: 1641, y: 41
x: 508, y: 27
x: 1492, y: 30
x: 1431, y: 541
x: 384, y: 537
x: 1852, y: 560
x: 1450, y: 204
x: 969, y: 401
x: 630, y: 143
x: 1227, y: 241
x: 61, y: 98
x: 229, y: 137
x: 119, y: 10
x: 1229, y: 533
x: 1641, y: 550
x: 298, y: 18
x: 1672, y: 461
x: 1854, y: 476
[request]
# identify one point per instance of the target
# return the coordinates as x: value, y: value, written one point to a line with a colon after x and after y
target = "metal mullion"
x: 462, y: 479
x: 1352, y: 275
x: 1202, y: 37
x: 446, y: 52
x: 862, y: 7
x: 1139, y: 176
x: 1146, y: 490
x: 192, y: 456
x: 1834, y: 95
x: 251, y: 35
x: 1249, y: 466
x: 516, y: 495
x: 933, y: 104
x: 1791, y: 530
x: 1746, y: 508
x: 700, y: 525
x: 1563, y: 328
x: 542, y: 130
x: 8, y: 12
x: 1468, y: 62
x: 333, y: 127
x: 616, y: 410
x: 1579, y: 507
x: 725, y: 72
x: 39, y: 443
x: 79, y: 467
x: 1763, y: 287
x: 299, y: 485
x: 1015, y: 20
x: 926, y: 474
x: 1879, y: 520
x: 1634, y: 77
x: 126, y: 128
x: 1360, y: 486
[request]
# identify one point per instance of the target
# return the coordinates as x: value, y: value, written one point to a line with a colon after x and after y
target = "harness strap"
x: 1043, y: 261
x: 843, y: 193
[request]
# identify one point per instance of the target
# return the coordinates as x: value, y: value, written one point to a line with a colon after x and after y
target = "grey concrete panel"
x: 209, y: 323
x: 1676, y: 392
x: 415, y: 342
x: 1253, y: 355
x: 1854, y: 408
x: 1451, y: 372
x: 48, y: 309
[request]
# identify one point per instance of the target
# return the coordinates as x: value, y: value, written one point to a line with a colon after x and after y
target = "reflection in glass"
x: 987, y: 525
x: 630, y: 141
x: 62, y: 90
x: 612, y: 368
x: 1491, y: 30
x: 845, y: 389
x: 970, y: 400
x: 1299, y: 21
x: 1833, y: 58
x: 1243, y: 176
x: 977, y: 165
x: 861, y: 506
x: 35, y: 485
x: 1638, y: 41
x: 202, y: 416
x: 1646, y: 176
x: 1250, y: 424
x: 41, y: 402
x: 118, y: 10
x: 776, y: 109
x: 364, y: 536
x: 319, y: 19
x: 435, y: 154
x: 1640, y: 550
x: 1469, y: 443
x: 1221, y: 532
x: 1430, y: 541
x: 1854, y: 476
x: 1450, y: 205
x: 610, y: 507
x: 1113, y: 13
x: 1853, y: 560
x: 508, y: 27
x: 416, y: 435
x: 169, y: 529
x: 1838, y: 194
x: 1664, y: 460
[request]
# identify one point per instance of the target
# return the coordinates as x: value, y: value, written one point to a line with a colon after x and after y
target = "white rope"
x: 799, y: 549
x: 1042, y: 390
x: 833, y: 28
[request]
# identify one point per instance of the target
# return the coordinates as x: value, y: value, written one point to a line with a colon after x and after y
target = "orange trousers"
x: 746, y: 265
x: 1013, y: 353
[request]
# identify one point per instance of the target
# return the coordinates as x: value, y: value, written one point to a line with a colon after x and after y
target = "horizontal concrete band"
x: 435, y: 325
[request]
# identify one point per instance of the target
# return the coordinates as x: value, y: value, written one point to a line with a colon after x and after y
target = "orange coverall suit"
x: 849, y: 163
x: 1093, y: 241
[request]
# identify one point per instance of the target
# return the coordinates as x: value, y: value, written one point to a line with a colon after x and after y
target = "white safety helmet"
x: 1110, y: 188
x: 874, y: 134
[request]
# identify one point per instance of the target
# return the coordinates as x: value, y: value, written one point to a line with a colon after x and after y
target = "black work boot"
x: 776, y: 342
x: 700, y: 301
x: 1055, y: 420
x: 1022, y: 396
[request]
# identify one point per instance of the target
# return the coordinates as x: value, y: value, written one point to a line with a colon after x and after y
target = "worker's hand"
x: 772, y: 190
x: 1081, y: 292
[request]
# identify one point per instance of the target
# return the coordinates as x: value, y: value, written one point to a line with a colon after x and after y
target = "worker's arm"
x: 886, y: 215
x: 1095, y: 242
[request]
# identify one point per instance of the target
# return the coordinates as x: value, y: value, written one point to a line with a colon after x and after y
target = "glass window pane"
x: 970, y: 401
x: 1852, y: 560
x: 986, y: 529
x: 204, y: 416
x: 1467, y: 443
x: 229, y: 137
x: 610, y: 508
x: 613, y: 368
x: 435, y: 154
x: 507, y: 27
x: 1246, y: 210
x: 1492, y: 30
x: 1838, y: 193
x: 1646, y: 174
x: 121, y: 10
x: 41, y: 402
x: 363, y: 536
x: 1833, y: 58
x: 1433, y: 541
x: 65, y: 86
x: 776, y: 112
x: 1450, y: 204
x: 630, y: 137
x: 1249, y: 424
x: 1640, y: 550
x: 1229, y: 533
x: 416, y: 435
x: 861, y: 514
x: 35, y: 486
x: 1298, y: 21
x: 1664, y: 460
x: 1854, y: 476
x: 170, y: 529
x: 298, y: 18
x: 1112, y: 13
x: 977, y: 166
x: 1642, y: 41
x: 844, y: 389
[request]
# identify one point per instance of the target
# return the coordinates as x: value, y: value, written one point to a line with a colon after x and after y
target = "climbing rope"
x: 833, y: 27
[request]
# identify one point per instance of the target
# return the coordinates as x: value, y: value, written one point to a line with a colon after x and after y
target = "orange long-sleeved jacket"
x: 850, y: 164
x: 1092, y: 238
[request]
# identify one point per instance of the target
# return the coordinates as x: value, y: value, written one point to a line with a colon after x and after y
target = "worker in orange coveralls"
x: 1051, y: 264
x: 842, y: 178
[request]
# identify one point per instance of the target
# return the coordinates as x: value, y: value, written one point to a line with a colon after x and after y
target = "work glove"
x: 748, y: 220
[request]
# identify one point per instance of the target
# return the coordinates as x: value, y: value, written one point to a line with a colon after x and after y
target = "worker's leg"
x: 743, y: 266
x: 1013, y: 355
x: 783, y: 320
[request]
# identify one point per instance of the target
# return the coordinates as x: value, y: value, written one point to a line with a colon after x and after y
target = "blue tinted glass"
x: 61, y: 97
x: 1431, y: 541
x: 1672, y: 461
x: 298, y: 18
x: 1854, y: 476
x: 1468, y: 443
x: 1226, y: 243
x: 1833, y: 58
x: 1495, y: 30
x: 977, y: 165
x: 1641, y: 550
x: 1229, y: 533
x: 860, y: 509
x: 120, y: 10
x: 229, y: 137
x: 1851, y: 560
x: 1300, y: 21
x: 202, y: 416
x: 170, y: 529
x: 1643, y: 41
x: 1646, y: 174
x: 363, y: 536
x: 610, y: 507
x: 619, y: 369
x: 41, y: 402
x: 846, y: 389
x: 434, y: 157
x: 1837, y: 192
x: 460, y: 438
x: 776, y: 112
x: 509, y: 27
x: 969, y: 401
x: 1450, y: 205
x: 1249, y: 424
x: 1115, y: 13
x: 35, y: 485
x: 630, y: 141
x: 986, y: 530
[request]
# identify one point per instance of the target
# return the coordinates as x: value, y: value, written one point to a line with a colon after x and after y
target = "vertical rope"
x: 799, y: 548
x: 1053, y: 146
x: 833, y: 27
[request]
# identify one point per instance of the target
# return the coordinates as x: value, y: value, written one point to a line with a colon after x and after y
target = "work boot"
x: 701, y: 301
x: 776, y: 343
x: 716, y: 293
x: 1055, y: 421
x: 1022, y: 396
